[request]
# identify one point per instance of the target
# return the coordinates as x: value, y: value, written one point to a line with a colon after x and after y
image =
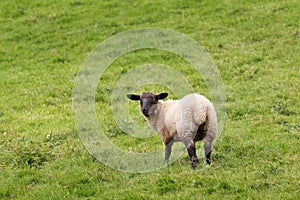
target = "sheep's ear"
x: 161, y: 96
x: 133, y: 97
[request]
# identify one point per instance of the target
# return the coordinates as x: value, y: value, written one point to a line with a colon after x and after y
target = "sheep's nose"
x: 145, y: 112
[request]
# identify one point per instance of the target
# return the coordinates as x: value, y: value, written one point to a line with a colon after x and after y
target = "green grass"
x: 255, y: 46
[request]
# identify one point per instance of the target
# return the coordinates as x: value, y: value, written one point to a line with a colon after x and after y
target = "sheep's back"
x: 194, y: 108
x: 184, y: 116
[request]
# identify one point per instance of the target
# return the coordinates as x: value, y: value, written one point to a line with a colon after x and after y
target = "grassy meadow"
x: 254, y: 44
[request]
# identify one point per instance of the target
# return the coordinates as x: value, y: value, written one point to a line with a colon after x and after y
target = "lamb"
x: 188, y: 120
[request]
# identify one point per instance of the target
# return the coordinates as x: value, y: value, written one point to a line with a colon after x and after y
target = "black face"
x: 146, y: 103
x: 147, y: 100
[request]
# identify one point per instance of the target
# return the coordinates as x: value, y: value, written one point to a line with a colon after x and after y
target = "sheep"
x: 188, y: 120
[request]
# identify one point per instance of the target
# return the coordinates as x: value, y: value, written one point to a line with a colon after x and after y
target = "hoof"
x: 208, y: 161
x: 194, y: 162
x: 208, y: 158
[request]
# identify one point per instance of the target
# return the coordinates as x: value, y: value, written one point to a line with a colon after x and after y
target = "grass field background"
x: 255, y: 45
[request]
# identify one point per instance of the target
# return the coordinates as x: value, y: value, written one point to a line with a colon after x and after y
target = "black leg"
x: 193, y: 157
x: 208, y: 158
x: 168, y: 150
x: 207, y: 148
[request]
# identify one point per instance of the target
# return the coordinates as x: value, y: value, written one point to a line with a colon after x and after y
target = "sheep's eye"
x: 141, y: 103
x: 153, y: 101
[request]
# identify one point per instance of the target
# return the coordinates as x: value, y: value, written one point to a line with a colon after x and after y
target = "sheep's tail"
x: 211, y: 116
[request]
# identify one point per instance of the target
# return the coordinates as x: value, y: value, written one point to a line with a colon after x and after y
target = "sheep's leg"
x: 193, y: 157
x: 207, y: 148
x: 168, y: 150
x: 191, y: 149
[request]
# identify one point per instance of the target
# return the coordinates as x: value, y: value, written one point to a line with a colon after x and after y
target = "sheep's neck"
x: 156, y: 120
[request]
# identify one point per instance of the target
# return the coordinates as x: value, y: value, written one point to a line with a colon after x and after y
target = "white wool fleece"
x: 180, y: 119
